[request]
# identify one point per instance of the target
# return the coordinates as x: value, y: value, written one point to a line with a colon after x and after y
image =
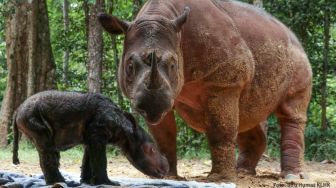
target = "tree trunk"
x: 116, y: 63
x: 326, y: 25
x: 66, y: 51
x: 95, y: 47
x: 16, y: 34
x: 116, y: 60
x: 41, y: 71
x: 29, y: 57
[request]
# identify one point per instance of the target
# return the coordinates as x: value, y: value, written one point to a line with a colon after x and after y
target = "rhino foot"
x: 292, y: 176
x: 176, y: 177
x: 113, y: 183
x: 244, y: 171
x: 222, y: 177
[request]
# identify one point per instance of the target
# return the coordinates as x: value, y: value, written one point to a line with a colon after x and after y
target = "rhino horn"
x: 180, y: 20
x: 155, y: 79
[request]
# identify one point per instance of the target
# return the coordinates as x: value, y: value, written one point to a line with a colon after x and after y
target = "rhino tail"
x: 16, y: 141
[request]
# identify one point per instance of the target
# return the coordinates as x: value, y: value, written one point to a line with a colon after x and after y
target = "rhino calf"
x: 55, y: 121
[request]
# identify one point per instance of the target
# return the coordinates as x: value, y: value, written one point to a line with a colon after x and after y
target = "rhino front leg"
x: 222, y: 125
x: 86, y: 173
x: 98, y: 164
x: 165, y: 136
x: 49, y: 162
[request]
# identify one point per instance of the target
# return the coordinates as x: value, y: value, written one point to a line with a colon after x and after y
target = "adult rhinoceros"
x: 224, y: 66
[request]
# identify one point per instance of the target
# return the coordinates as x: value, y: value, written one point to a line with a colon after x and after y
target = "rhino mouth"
x: 153, y: 107
x: 150, y: 118
x: 157, y: 120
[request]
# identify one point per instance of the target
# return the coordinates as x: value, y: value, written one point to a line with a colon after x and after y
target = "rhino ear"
x: 180, y: 20
x: 113, y: 24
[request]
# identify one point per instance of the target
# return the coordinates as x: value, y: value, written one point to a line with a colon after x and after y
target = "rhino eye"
x: 130, y: 71
x: 172, y: 66
x: 130, y: 68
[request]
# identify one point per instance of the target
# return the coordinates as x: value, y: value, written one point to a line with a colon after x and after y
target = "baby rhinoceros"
x: 57, y: 121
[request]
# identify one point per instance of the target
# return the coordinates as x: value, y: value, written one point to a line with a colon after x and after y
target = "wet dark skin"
x: 55, y: 121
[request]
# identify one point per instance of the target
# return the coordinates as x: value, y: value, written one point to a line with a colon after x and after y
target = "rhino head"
x: 151, y: 70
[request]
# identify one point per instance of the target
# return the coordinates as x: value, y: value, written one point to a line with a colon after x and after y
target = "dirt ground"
x: 320, y: 175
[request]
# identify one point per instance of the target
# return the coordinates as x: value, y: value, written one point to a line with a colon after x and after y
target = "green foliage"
x: 27, y: 152
x: 273, y: 137
x: 189, y: 142
x: 320, y: 144
x: 3, y: 68
x: 74, y: 40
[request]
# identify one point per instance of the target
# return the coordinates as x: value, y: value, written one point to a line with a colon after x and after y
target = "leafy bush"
x: 189, y: 142
x: 320, y: 144
x: 273, y: 137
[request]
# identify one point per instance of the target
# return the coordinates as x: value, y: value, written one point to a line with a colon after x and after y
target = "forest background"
x: 58, y: 44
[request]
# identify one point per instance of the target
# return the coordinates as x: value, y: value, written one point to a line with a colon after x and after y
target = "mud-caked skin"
x: 224, y: 66
x: 57, y: 121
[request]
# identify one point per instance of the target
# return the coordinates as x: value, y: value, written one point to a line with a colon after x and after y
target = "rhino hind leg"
x: 49, y: 162
x: 292, y: 118
x: 251, y: 144
x: 48, y: 155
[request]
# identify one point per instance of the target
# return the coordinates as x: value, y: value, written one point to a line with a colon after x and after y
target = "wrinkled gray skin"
x: 56, y: 121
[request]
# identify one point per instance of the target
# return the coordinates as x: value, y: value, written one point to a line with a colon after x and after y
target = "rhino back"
x: 281, y: 65
x: 229, y: 41
x: 61, y: 116
x: 52, y: 104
